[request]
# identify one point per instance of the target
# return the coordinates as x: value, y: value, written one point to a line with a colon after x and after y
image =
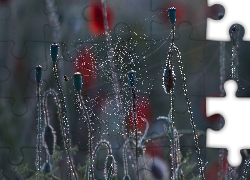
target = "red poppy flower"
x: 96, y: 19
x: 143, y: 110
x: 212, y: 119
x: 85, y: 64
x: 181, y: 12
x: 212, y: 171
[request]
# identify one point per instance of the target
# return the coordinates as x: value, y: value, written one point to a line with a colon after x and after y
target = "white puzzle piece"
x: 236, y: 12
x: 235, y: 111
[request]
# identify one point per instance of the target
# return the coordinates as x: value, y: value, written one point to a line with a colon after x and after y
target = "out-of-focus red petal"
x: 85, y: 64
x: 212, y: 119
x: 155, y: 148
x: 96, y: 19
x: 143, y: 110
x: 213, y: 171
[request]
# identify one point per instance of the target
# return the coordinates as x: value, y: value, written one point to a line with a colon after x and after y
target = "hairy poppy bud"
x: 54, y: 52
x: 38, y: 74
x: 168, y: 79
x: 172, y: 15
x: 77, y: 79
x: 127, y: 177
x: 131, y: 78
x: 49, y: 139
x: 47, y: 167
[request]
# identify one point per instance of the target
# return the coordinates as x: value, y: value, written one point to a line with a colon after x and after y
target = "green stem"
x: 39, y: 127
x: 91, y: 174
x: 246, y: 169
x: 135, y: 123
x: 172, y: 104
x: 190, y: 113
x: 222, y: 79
x: 47, y: 93
x: 145, y: 133
x: 125, y: 157
x: 99, y: 144
x: 55, y: 95
x: 235, y: 60
x: 65, y: 129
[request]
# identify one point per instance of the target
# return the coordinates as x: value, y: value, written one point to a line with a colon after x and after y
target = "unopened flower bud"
x: 131, y: 78
x: 38, y: 74
x: 49, y: 139
x: 77, y: 79
x: 47, y: 167
x: 54, y: 52
x: 172, y: 15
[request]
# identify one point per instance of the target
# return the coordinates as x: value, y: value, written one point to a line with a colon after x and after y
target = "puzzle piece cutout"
x: 235, y: 13
x: 235, y: 113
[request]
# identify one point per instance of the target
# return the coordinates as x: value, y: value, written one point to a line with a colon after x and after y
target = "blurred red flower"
x: 155, y: 148
x: 85, y: 64
x: 212, y: 119
x: 212, y: 171
x: 4, y: 1
x: 143, y: 110
x: 96, y: 23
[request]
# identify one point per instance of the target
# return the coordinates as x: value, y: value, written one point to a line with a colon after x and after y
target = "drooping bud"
x: 47, y: 167
x: 109, y: 166
x: 49, y: 139
x: 127, y: 177
x: 172, y: 15
x: 77, y: 79
x: 54, y: 52
x: 38, y: 74
x: 168, y: 79
x: 131, y: 78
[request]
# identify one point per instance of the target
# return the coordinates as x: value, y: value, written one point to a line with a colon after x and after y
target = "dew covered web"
x: 106, y: 91
x: 112, y: 113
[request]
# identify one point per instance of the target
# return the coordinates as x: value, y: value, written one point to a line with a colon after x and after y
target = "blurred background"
x: 140, y: 40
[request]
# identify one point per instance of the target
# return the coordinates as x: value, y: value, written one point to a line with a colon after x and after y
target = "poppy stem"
x: 90, y: 135
x: 39, y: 127
x: 222, y: 80
x: 247, y: 162
x: 65, y: 129
x: 190, y: 113
x: 135, y: 123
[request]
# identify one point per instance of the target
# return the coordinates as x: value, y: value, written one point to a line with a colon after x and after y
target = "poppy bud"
x: 49, y: 139
x: 168, y: 80
x: 47, y: 167
x: 38, y: 74
x: 131, y: 78
x: 54, y: 52
x: 77, y: 79
x: 172, y: 15
x: 127, y: 177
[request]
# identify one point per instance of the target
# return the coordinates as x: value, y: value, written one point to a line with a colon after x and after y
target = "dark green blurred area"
x: 28, y: 28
